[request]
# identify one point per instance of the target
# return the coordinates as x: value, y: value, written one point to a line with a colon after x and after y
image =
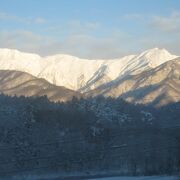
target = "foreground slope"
x: 160, y: 85
x: 139, y: 178
x: 94, y: 136
x: 20, y: 83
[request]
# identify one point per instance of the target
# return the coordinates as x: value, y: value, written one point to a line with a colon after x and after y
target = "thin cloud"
x: 133, y: 17
x: 39, y: 20
x: 81, y: 45
x: 25, y: 20
x: 82, y: 27
x: 81, y: 38
x: 169, y: 23
x: 23, y: 40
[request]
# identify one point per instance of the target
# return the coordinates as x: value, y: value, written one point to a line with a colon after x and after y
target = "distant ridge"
x: 159, y: 86
x: 141, y: 78
x: 23, y: 84
x: 81, y: 74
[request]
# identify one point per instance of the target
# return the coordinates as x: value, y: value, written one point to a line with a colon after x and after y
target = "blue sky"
x: 90, y: 28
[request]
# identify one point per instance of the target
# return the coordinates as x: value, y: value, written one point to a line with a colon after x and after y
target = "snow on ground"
x: 140, y: 178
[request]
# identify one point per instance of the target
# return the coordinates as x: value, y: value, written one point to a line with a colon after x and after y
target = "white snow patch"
x: 140, y: 178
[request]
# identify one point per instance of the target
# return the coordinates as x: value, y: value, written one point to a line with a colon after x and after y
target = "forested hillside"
x: 88, y: 135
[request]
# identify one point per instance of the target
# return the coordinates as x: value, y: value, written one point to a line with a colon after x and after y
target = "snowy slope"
x: 160, y: 85
x: 16, y: 60
x: 81, y: 74
x: 140, y: 178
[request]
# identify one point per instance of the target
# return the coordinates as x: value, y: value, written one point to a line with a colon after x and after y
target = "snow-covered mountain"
x: 160, y: 85
x: 81, y: 74
x: 140, y: 78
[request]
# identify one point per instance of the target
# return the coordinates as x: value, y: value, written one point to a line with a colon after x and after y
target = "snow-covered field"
x: 141, y: 178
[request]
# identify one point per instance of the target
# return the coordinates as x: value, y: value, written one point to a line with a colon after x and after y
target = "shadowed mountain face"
x: 160, y: 85
x: 23, y: 84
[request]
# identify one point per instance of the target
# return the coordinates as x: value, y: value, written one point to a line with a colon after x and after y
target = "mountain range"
x: 152, y: 76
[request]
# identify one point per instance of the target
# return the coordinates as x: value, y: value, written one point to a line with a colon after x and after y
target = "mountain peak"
x: 155, y: 51
x: 158, y: 51
x: 14, y: 53
x: 156, y: 56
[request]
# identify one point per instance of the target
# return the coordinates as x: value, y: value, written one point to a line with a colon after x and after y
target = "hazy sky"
x: 90, y: 28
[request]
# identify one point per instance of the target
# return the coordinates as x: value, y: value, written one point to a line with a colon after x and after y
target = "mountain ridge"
x: 23, y: 84
x: 159, y: 85
x: 81, y: 74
